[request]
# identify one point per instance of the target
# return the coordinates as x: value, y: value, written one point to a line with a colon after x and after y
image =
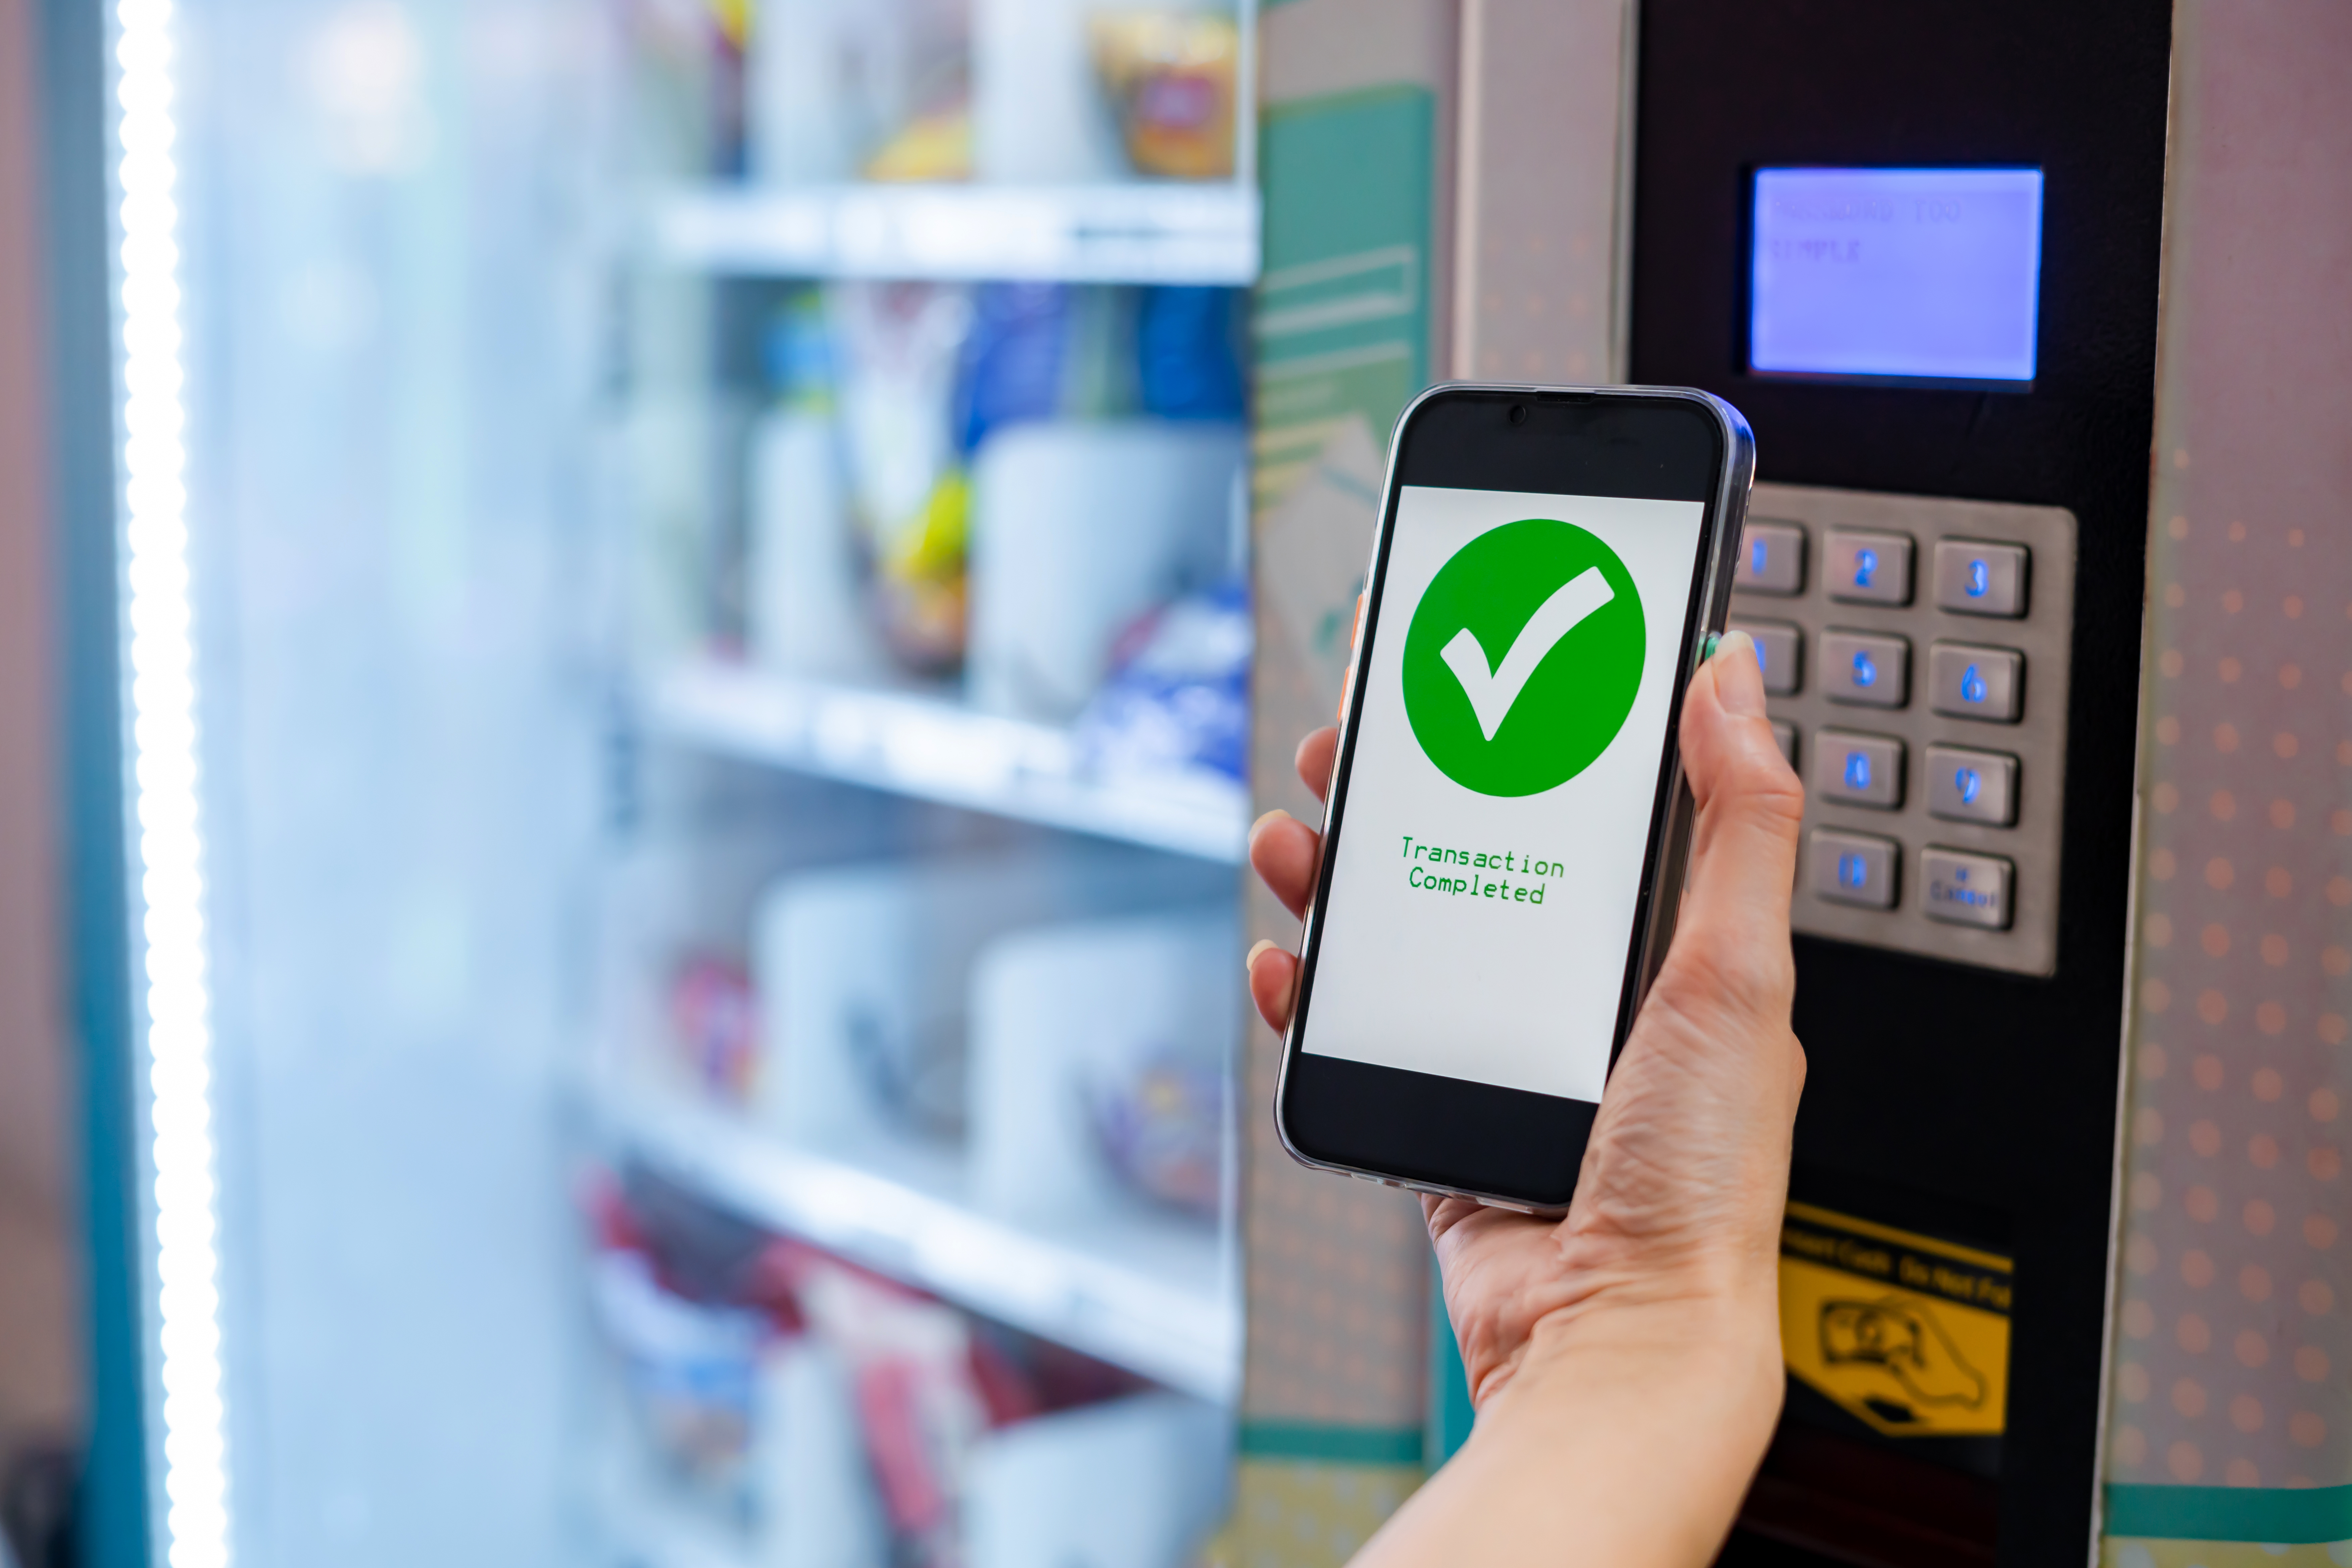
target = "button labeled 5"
x: 1867, y: 668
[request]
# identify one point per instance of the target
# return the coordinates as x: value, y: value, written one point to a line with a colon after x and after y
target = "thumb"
x: 1744, y: 847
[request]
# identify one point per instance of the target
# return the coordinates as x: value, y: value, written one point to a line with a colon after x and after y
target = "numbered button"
x: 1965, y: 682
x: 1858, y: 770
x: 1779, y: 650
x: 1771, y: 559
x: 1977, y: 577
x: 1965, y: 890
x: 1852, y: 868
x: 1867, y: 668
x: 1867, y: 568
x: 1971, y: 786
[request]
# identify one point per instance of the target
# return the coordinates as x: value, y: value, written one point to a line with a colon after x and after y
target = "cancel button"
x: 1965, y: 889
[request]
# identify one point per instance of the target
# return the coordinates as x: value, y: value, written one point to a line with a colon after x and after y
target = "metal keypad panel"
x: 1919, y: 652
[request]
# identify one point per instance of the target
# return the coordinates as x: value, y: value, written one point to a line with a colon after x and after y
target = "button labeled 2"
x: 1869, y: 669
x: 1867, y: 568
x: 1852, y: 868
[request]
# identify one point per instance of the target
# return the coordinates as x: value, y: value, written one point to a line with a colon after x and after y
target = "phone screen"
x: 1506, y: 763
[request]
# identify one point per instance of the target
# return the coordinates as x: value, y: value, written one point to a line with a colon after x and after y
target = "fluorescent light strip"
x: 171, y: 838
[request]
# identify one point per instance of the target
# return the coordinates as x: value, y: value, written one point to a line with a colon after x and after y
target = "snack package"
x: 900, y: 345
x: 714, y: 1025
x: 844, y: 89
x: 690, y: 1367
x: 1177, y: 701
x: 1171, y: 76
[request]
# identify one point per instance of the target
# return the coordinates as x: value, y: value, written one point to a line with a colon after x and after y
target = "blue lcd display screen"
x: 1926, y: 273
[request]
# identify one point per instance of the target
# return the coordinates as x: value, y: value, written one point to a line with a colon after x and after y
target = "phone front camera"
x: 1519, y: 412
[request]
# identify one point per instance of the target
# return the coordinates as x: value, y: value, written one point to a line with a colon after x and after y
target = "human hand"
x: 1673, y: 1234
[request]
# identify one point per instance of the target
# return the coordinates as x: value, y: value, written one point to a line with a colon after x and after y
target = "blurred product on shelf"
x: 1100, y: 1052
x: 1134, y: 1483
x: 1189, y: 353
x: 714, y: 1025
x: 819, y: 1507
x: 691, y: 60
x: 1173, y: 75
x: 900, y: 345
x: 828, y: 1417
x: 1177, y: 701
x: 1040, y: 114
x: 863, y: 978
x: 1046, y: 351
x: 690, y: 1368
x: 1079, y: 528
x: 804, y: 582
x: 839, y: 89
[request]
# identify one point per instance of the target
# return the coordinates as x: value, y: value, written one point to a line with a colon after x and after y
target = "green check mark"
x: 1563, y: 608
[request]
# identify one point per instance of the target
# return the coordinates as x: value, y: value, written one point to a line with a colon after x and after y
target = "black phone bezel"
x: 1436, y: 1133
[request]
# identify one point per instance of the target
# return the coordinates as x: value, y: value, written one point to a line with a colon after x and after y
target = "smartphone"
x: 1506, y: 825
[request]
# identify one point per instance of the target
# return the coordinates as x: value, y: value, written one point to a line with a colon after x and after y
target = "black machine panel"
x: 1971, y: 1104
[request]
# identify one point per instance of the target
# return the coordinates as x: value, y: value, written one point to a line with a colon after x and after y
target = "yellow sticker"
x: 1909, y: 1333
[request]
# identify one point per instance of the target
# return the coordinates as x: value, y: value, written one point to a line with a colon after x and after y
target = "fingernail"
x: 1261, y: 945
x: 1262, y: 821
x: 1738, y: 682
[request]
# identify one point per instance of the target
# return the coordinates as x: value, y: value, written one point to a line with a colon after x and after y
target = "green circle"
x: 1582, y: 685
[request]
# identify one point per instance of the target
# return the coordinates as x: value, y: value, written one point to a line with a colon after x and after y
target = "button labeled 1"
x: 1971, y: 786
x: 1858, y: 770
x: 1968, y: 682
x: 1867, y: 568
x: 1974, y: 577
x: 1965, y: 890
x: 1771, y: 559
x: 1867, y: 668
x: 1779, y: 651
x: 1852, y: 868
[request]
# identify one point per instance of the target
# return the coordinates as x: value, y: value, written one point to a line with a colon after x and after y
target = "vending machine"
x: 662, y: 649
x: 2025, y: 306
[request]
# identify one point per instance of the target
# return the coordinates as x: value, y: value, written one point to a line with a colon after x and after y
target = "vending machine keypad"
x: 1933, y: 793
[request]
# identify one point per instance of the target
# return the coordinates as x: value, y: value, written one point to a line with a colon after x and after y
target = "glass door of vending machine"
x: 681, y: 637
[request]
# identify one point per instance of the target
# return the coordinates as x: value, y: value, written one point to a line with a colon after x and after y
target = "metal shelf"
x: 1134, y: 232
x: 1155, y: 1296
x: 933, y: 749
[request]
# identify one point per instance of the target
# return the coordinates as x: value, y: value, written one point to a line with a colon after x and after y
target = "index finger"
x: 1315, y: 755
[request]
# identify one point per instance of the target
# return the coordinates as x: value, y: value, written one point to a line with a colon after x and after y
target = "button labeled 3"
x: 1965, y: 890
x: 1867, y: 668
x: 1968, y: 682
x: 1971, y: 786
x: 1852, y: 868
x: 1975, y: 577
x: 1771, y: 559
x: 1858, y: 770
x: 1867, y: 568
